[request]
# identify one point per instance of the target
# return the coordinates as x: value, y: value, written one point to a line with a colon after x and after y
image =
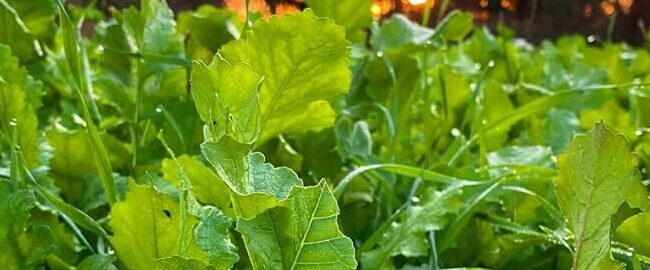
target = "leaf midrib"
x: 304, y: 237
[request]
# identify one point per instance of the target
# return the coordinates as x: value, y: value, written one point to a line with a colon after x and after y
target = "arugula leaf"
x: 20, y: 97
x: 256, y: 185
x: 398, y: 30
x: 632, y: 232
x: 206, y: 185
x: 304, y: 60
x: 226, y: 99
x: 354, y: 15
x: 300, y: 233
x: 212, y: 236
x: 146, y: 227
x: 22, y: 246
x: 594, y: 176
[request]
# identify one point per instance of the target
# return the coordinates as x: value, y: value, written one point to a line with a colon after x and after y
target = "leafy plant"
x: 319, y: 139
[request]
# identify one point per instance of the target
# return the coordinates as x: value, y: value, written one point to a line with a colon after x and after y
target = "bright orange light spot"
x: 417, y: 2
x: 381, y: 7
x: 376, y: 10
x: 626, y: 5
x: 239, y: 7
x: 607, y: 8
x: 483, y: 3
x: 282, y: 8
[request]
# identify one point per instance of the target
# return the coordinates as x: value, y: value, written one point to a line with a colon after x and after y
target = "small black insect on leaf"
x: 167, y: 213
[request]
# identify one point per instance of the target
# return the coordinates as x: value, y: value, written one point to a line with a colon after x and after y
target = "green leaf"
x: 206, y: 185
x: 146, y: 227
x: 20, y: 97
x: 398, y: 30
x: 633, y: 232
x: 22, y: 246
x: 594, y: 176
x: 97, y: 262
x: 407, y: 237
x: 213, y: 237
x: 354, y: 15
x: 24, y: 22
x: 255, y: 185
x: 180, y: 263
x: 226, y: 98
x: 301, y: 233
x: 456, y: 26
x: 559, y: 128
x: 299, y: 80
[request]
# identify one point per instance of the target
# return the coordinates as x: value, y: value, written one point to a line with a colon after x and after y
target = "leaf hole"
x: 167, y: 213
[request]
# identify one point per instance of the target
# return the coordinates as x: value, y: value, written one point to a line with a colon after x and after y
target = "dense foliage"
x: 314, y: 140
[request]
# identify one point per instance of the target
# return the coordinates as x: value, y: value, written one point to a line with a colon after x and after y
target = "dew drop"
x: 415, y: 199
x: 638, y: 133
x: 491, y: 63
x: 380, y: 54
x: 455, y: 132
x: 13, y: 122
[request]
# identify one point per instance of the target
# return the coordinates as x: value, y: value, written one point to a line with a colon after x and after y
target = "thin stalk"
x: 247, y: 21
x: 610, y: 26
x: 426, y: 16
x: 443, y: 9
x: 136, y: 112
x: 71, y: 47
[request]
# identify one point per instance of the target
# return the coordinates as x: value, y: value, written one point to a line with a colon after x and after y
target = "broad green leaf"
x: 559, y: 128
x: 255, y: 185
x: 226, y: 98
x: 20, y: 97
x: 12, y: 73
x: 304, y: 60
x: 407, y: 237
x: 22, y: 246
x: 456, y: 26
x: 638, y: 196
x: 213, y: 237
x: 613, y: 114
x: 354, y: 15
x: 300, y: 233
x: 594, y: 176
x: 146, y: 227
x: 496, y: 105
x: 398, y: 30
x: 16, y: 116
x: 206, y: 185
x: 633, y: 232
